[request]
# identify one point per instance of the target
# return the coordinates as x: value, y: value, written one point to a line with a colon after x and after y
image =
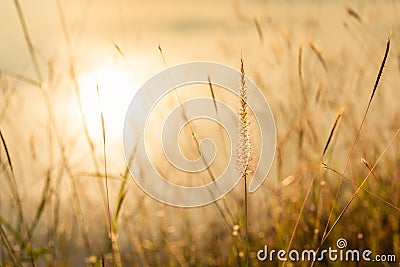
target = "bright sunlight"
x: 117, y: 86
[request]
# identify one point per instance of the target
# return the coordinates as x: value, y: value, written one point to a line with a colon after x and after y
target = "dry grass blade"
x: 73, y: 75
x: 14, y: 189
x: 3, y: 235
x: 122, y: 190
x: 162, y: 56
x: 45, y: 197
x: 28, y: 40
x: 325, y: 166
x: 206, y: 164
x: 75, y: 196
x: 212, y: 176
x: 338, y: 116
x: 259, y: 30
x: 360, y: 186
x: 112, y: 234
x: 369, y: 102
x: 226, y: 148
x: 3, y: 141
x: 21, y: 78
x: 300, y: 73
x: 365, y: 162
x: 299, y: 66
x: 119, y: 50
x: 358, y: 134
x: 16, y: 235
x: 353, y: 14
x: 318, y: 93
x: 77, y: 93
x: 212, y: 94
x: 318, y: 53
x: 103, y: 130
x: 380, y: 70
x: 300, y: 214
x: 98, y: 175
x: 121, y: 197
x: 8, y: 246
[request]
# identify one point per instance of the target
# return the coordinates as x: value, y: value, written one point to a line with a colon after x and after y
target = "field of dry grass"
x: 67, y: 198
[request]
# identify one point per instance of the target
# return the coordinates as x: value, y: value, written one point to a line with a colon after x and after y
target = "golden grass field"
x: 66, y: 196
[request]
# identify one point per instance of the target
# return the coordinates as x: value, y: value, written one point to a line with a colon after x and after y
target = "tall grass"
x: 354, y: 144
x: 244, y: 152
x: 318, y: 190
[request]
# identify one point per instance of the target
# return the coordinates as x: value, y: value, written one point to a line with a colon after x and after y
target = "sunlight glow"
x: 116, y: 88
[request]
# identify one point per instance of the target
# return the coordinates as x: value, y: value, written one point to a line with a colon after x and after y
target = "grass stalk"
x: 112, y: 234
x: 208, y: 169
x: 28, y: 41
x: 356, y: 185
x: 7, y: 244
x: 244, y: 150
x: 75, y: 197
x: 259, y: 30
x: 78, y: 97
x: 338, y: 116
x: 26, y: 241
x: 311, y: 185
x: 326, y: 232
x: 361, y: 185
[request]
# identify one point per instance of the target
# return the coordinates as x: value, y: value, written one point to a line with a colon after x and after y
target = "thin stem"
x: 326, y: 232
x: 246, y: 220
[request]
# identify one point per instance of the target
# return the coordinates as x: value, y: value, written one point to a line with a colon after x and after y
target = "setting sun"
x: 116, y: 87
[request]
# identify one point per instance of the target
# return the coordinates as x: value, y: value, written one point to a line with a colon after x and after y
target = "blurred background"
x: 315, y: 61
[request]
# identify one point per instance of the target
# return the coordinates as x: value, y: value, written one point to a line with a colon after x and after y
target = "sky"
x: 186, y: 30
x: 117, y: 45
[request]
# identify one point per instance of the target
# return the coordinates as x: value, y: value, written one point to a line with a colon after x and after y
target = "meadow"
x: 330, y: 71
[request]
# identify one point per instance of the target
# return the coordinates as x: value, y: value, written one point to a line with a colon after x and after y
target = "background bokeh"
x: 312, y: 59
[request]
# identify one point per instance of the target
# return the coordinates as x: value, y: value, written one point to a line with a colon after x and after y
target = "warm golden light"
x: 68, y: 199
x: 116, y: 87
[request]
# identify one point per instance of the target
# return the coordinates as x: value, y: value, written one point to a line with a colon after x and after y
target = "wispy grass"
x: 111, y: 232
x: 228, y: 219
x: 299, y: 211
x: 335, y: 124
x: 26, y: 236
x: 77, y: 90
x: 326, y: 232
x: 75, y: 197
x: 244, y: 152
x: 360, y: 186
x: 259, y: 30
